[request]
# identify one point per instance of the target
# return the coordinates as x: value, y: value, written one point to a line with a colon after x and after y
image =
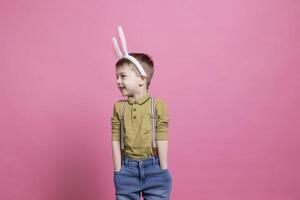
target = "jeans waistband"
x: 150, y: 161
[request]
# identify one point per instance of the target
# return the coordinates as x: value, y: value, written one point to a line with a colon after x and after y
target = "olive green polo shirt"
x: 137, y: 125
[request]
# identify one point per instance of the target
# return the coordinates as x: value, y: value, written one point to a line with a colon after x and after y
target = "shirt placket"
x: 134, y: 116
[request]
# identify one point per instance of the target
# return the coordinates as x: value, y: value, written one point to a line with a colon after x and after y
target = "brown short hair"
x: 146, y: 62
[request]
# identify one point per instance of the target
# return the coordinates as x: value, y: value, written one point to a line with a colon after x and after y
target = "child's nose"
x: 118, y: 80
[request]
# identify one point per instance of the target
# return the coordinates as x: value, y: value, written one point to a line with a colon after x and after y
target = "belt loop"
x: 153, y: 161
x: 126, y: 161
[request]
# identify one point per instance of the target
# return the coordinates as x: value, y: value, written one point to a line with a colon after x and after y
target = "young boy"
x: 139, y: 133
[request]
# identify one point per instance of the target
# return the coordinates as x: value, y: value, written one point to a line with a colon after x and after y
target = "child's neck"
x: 139, y: 95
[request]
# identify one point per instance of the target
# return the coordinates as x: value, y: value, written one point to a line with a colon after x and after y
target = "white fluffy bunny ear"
x: 123, y: 40
x: 125, y: 51
x: 117, y: 49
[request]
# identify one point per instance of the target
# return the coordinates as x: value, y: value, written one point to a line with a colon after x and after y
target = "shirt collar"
x: 141, y: 100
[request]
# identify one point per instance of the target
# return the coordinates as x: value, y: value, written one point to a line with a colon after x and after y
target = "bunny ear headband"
x: 125, y: 54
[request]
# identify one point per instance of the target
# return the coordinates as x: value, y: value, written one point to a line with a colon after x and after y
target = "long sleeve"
x: 162, y: 121
x: 115, y: 124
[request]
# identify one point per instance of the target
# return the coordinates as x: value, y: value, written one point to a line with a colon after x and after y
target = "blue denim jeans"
x: 144, y: 177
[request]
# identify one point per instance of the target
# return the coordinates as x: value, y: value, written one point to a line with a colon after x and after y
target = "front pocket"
x: 163, y: 170
x: 146, y: 124
x: 122, y: 167
x: 116, y: 172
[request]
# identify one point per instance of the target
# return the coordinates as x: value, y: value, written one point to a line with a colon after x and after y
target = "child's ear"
x: 142, y: 80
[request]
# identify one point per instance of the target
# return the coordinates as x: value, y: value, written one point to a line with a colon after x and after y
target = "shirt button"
x: 134, y: 109
x: 134, y: 117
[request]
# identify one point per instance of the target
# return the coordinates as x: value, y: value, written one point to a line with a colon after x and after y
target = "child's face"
x: 128, y: 81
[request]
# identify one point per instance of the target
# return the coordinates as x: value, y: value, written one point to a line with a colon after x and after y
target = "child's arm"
x: 162, y: 133
x: 162, y: 146
x: 116, y: 150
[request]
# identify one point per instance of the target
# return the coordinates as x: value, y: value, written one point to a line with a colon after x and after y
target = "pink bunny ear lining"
x: 123, y: 40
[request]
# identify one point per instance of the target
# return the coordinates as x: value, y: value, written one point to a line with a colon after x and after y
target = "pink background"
x: 229, y: 71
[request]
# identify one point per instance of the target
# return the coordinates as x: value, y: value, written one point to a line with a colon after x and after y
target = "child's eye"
x: 122, y: 76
